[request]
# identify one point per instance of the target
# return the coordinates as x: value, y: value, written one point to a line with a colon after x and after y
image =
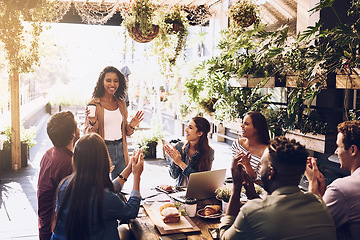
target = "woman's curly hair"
x: 99, y: 89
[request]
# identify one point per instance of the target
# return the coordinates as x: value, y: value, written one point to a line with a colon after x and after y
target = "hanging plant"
x: 243, y: 13
x: 139, y: 21
x: 173, y: 22
x: 20, y: 28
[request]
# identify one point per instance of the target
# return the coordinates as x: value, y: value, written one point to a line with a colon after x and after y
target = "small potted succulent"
x: 139, y: 21
x: 224, y: 195
x: 243, y: 13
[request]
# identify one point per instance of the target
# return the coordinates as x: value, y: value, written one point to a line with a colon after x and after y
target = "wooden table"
x: 143, y: 228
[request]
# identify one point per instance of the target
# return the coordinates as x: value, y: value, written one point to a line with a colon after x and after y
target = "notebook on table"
x: 202, y: 185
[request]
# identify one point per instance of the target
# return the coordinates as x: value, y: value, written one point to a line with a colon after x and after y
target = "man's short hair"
x: 351, y: 132
x: 288, y: 156
x: 61, y: 128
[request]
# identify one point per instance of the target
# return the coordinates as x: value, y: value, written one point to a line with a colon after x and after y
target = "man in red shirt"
x: 54, y: 166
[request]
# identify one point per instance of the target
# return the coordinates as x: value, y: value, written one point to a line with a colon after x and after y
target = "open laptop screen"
x: 202, y: 185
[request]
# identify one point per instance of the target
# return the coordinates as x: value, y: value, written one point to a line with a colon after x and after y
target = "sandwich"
x: 169, y: 213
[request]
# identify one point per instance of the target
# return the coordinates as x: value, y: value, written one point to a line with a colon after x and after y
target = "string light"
x: 93, y: 13
x: 100, y: 12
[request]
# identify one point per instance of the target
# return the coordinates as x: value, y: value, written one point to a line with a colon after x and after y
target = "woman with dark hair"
x: 86, y: 204
x: 253, y: 142
x: 110, y: 120
x: 193, y: 156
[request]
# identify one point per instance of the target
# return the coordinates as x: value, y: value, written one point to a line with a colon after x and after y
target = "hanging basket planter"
x: 176, y: 27
x: 247, y: 22
x: 136, y: 34
x: 243, y: 13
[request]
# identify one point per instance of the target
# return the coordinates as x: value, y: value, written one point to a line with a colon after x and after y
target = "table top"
x: 144, y: 229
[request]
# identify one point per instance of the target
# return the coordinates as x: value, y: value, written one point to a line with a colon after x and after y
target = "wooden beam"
x: 15, y: 121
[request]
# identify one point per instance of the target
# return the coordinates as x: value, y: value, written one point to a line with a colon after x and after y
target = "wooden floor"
x: 18, y: 202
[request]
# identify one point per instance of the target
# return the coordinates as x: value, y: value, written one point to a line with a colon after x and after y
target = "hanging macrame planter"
x: 136, y: 34
x: 246, y: 23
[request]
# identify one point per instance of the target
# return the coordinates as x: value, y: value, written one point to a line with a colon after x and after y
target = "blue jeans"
x: 116, y: 153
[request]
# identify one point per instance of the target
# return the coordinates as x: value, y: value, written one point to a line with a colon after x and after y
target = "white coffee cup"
x: 190, y: 207
x: 92, y: 109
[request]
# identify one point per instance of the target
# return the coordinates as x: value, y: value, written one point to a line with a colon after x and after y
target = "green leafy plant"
x: 243, y: 13
x: 177, y: 23
x: 223, y: 194
x: 170, y: 42
x: 141, y: 12
x: 336, y: 48
x: 142, y: 138
x: 258, y: 189
x: 27, y: 136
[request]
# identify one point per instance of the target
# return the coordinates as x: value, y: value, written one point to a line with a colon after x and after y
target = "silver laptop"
x: 202, y: 185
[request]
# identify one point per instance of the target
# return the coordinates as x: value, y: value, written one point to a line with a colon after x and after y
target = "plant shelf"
x: 291, y: 81
x: 251, y: 82
x: 348, y: 79
x: 319, y: 143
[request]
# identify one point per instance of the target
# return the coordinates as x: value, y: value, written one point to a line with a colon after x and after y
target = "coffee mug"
x: 190, y: 207
x: 92, y: 109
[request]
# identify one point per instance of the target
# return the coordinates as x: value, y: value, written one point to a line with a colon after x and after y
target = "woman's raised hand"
x: 174, y: 154
x: 137, y: 163
x: 237, y: 171
x: 135, y: 121
x: 87, y: 112
x: 244, y: 158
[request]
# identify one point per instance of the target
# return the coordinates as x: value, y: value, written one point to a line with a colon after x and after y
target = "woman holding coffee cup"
x: 106, y: 114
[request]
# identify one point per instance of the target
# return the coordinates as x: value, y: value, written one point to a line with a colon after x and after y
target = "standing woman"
x: 110, y: 120
x: 253, y: 142
x: 86, y: 204
x: 193, y: 156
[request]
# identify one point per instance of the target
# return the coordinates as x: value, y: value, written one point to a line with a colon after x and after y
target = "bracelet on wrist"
x: 123, y: 178
x: 131, y: 127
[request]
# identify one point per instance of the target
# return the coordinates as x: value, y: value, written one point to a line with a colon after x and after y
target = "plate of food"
x: 210, y: 211
x: 165, y: 188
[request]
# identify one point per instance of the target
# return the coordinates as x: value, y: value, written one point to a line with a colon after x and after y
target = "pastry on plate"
x: 166, y: 188
x: 169, y: 213
x: 211, y: 209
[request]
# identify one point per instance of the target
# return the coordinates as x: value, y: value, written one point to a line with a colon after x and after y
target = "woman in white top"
x: 253, y: 142
x: 110, y: 120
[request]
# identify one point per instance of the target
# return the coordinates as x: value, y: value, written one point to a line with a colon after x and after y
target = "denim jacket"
x: 114, y: 209
x: 177, y: 173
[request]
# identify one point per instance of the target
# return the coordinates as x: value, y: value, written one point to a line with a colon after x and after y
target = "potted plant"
x: 243, y: 13
x: 147, y: 140
x: 139, y: 21
x: 224, y: 195
x: 27, y: 139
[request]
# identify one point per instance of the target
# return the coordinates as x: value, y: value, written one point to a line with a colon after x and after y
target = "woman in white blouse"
x: 110, y: 120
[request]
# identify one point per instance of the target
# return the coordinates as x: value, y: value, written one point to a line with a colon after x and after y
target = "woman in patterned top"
x: 254, y: 140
